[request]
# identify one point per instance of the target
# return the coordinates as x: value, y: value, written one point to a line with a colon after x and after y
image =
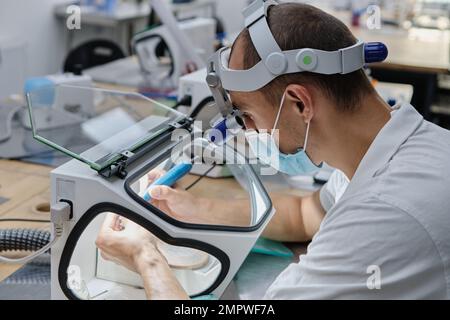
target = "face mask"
x: 264, y: 146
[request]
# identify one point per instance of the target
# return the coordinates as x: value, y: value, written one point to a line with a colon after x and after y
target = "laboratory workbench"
x: 24, y: 194
x: 415, y: 49
x: 417, y: 56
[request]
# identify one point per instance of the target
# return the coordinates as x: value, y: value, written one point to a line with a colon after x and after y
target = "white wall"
x: 33, y: 22
x: 230, y: 12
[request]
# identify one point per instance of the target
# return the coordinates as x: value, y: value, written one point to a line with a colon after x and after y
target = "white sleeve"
x: 333, y: 190
x: 366, y: 250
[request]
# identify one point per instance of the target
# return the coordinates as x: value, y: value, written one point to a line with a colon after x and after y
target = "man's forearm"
x: 285, y: 225
x: 296, y: 218
x: 159, y: 281
x: 226, y: 212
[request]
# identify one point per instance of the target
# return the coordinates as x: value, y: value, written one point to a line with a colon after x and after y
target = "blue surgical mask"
x: 264, y: 146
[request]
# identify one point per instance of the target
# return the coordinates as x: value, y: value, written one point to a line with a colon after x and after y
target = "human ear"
x: 301, y: 97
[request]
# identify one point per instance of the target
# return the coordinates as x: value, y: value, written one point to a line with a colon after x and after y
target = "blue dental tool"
x: 170, y: 178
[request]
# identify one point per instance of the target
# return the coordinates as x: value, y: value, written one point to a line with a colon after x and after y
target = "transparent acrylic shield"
x: 93, y: 125
x: 102, y: 265
x: 99, y: 265
x: 211, y: 195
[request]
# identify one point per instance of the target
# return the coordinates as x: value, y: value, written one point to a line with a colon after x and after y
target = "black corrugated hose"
x: 23, y: 239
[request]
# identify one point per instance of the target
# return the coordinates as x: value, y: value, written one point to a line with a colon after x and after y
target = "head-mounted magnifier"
x: 275, y: 62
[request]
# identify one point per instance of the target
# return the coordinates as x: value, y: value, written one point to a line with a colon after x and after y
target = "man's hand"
x: 177, y: 203
x: 126, y: 243
x: 130, y: 245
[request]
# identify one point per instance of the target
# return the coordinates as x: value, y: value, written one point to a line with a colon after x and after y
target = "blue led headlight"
x: 375, y: 52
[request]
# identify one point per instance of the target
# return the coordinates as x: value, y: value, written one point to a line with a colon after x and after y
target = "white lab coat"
x: 388, y: 236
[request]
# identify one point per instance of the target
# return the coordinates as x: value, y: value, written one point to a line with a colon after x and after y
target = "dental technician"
x: 380, y: 227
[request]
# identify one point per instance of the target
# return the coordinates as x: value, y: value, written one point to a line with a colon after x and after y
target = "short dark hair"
x: 296, y: 26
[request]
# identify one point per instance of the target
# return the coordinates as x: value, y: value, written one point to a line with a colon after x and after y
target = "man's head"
x: 309, y: 97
